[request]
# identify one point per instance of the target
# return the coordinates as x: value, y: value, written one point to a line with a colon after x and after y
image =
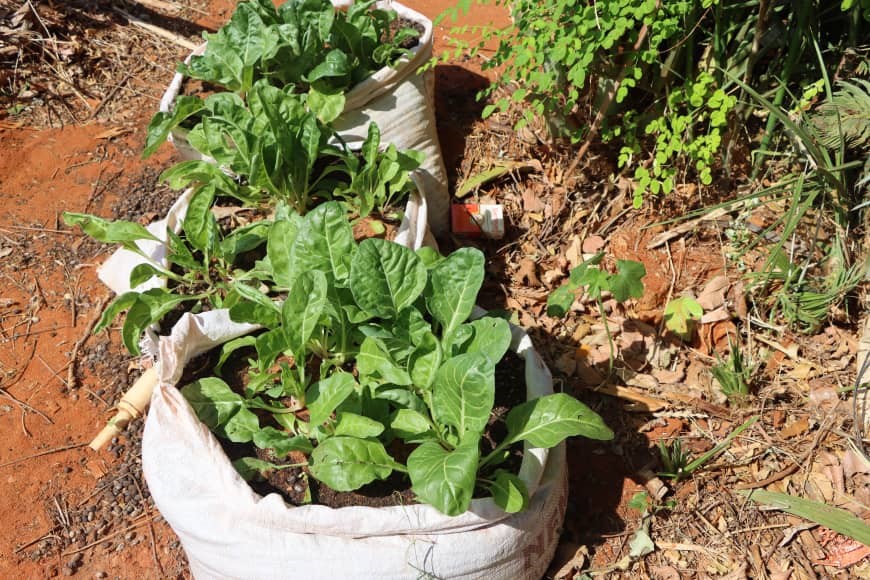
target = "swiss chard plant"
x: 305, y: 46
x: 373, y: 347
x: 281, y: 163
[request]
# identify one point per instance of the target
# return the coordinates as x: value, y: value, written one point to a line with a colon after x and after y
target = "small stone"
x: 101, y: 574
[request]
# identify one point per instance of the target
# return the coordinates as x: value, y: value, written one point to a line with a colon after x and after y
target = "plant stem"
x: 795, y: 48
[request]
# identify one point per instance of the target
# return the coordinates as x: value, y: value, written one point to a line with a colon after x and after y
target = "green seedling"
x: 678, y: 464
x: 626, y: 283
x: 682, y: 316
x: 733, y: 374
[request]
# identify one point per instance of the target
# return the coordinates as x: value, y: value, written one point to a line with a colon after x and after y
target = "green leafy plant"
x: 626, y: 283
x: 733, y: 374
x: 282, y: 164
x: 305, y: 46
x: 682, y: 315
x: 677, y: 464
x: 655, y: 78
x: 373, y: 344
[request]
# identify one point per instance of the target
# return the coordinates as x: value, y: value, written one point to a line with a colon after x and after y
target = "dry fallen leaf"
x: 113, y: 132
x: 574, y: 253
x: 528, y: 272
x: 713, y: 294
x: 593, y: 244
x: 574, y: 557
x: 795, y: 428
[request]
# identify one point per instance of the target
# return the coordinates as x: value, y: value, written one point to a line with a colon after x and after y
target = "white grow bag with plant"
x: 399, y: 99
x: 229, y: 531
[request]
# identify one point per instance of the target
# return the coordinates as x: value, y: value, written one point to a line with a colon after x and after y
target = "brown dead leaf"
x: 113, y: 132
x: 570, y: 557
x: 795, y: 428
x: 713, y: 294
x: 823, y: 395
x: 593, y: 244
x: 531, y: 201
x: 527, y: 272
x: 574, y: 253
x: 552, y: 277
x: 854, y: 463
x: 666, y: 377
x: 566, y: 363
x: 665, y: 573
x: 719, y: 314
x: 840, y: 551
x: 801, y: 371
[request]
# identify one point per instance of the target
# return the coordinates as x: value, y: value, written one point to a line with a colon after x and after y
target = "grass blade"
x: 837, y: 519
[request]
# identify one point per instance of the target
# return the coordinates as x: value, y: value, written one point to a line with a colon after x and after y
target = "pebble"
x: 101, y: 574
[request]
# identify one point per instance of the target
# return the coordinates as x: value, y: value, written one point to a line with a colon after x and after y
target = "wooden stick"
x: 156, y: 30
x: 41, y: 453
x: 131, y: 406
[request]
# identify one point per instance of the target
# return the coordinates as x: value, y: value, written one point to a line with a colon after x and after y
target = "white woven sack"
x: 229, y: 531
x: 399, y: 99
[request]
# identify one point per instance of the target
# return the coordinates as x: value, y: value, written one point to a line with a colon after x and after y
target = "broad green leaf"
x: 334, y: 64
x: 464, y: 392
x: 546, y: 421
x: 628, y: 280
x: 252, y: 468
x: 281, y: 441
x: 373, y: 359
x: 370, y: 145
x: 149, y: 307
x: 354, y: 425
x: 560, y: 300
x: 454, y: 283
x: 442, y: 478
x: 492, y: 337
x: 386, y: 277
x: 327, y: 107
x: 222, y: 410
x: 163, y: 123
x: 509, y: 492
x: 429, y: 256
x: 244, y: 239
x: 185, y: 173
x: 324, y: 242
x: 425, y: 361
x: 270, y: 345
x: 143, y: 272
x: 348, y: 463
x: 256, y: 308
x: 241, y: 427
x: 199, y: 224
x: 118, y: 305
x: 110, y: 232
x: 279, y: 244
x: 403, y: 398
x: 411, y: 327
x: 326, y: 394
x: 232, y: 346
x: 681, y: 314
x: 302, y: 309
x: 407, y: 423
